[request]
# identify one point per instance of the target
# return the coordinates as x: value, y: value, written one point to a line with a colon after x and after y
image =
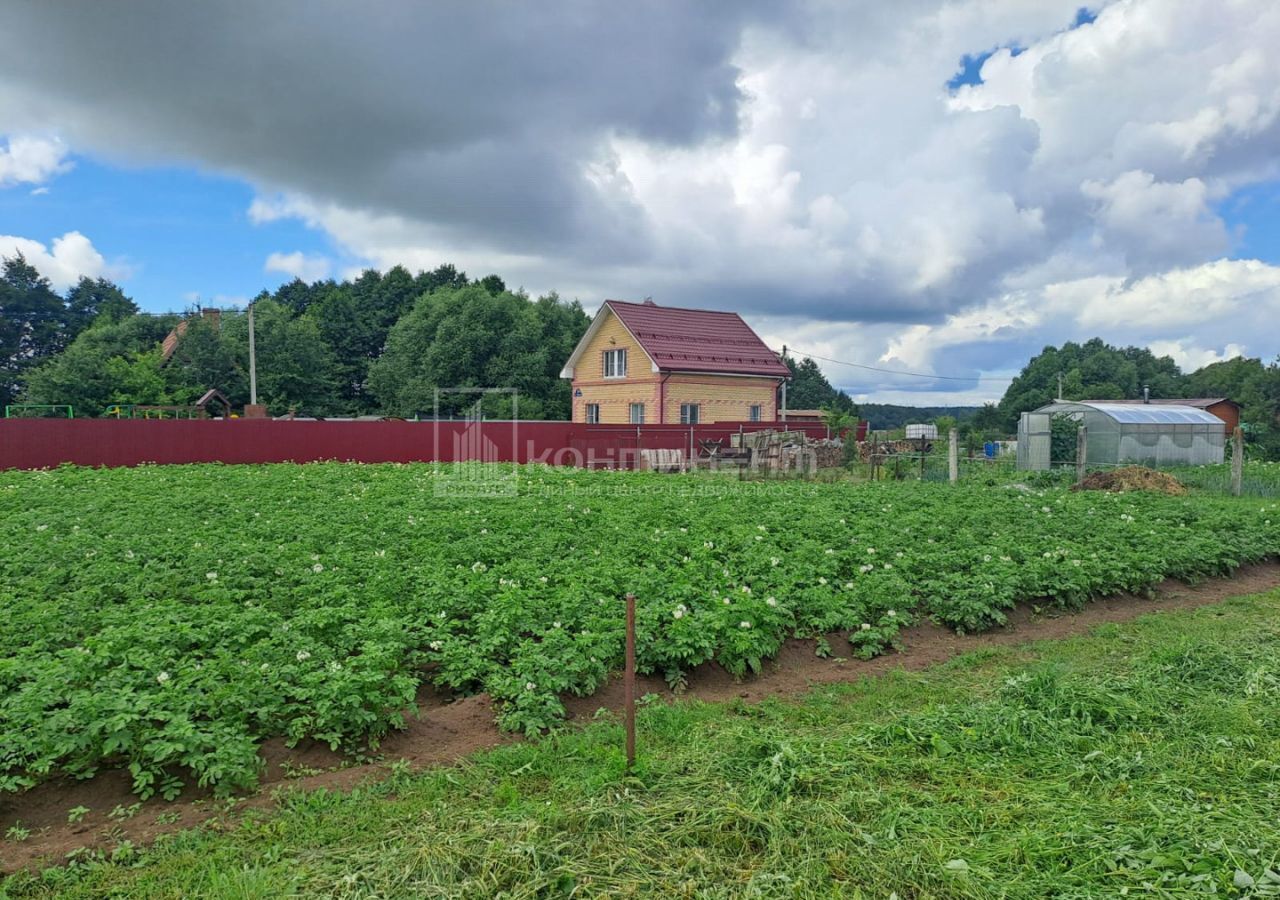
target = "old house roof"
x: 688, y: 340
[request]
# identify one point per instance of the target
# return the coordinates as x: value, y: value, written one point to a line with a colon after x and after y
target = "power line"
x: 841, y: 362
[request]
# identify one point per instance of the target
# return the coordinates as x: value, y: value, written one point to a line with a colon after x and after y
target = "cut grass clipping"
x: 1141, y: 759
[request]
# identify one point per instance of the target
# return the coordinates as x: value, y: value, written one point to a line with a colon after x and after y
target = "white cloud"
x: 298, y: 265
x: 1190, y: 357
x: 1197, y: 315
x: 65, y: 261
x: 25, y: 159
x: 805, y: 165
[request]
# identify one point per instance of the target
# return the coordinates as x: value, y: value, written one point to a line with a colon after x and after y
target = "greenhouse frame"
x: 1124, y: 433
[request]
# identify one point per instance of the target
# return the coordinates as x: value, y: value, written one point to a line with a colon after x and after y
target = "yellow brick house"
x: 641, y: 363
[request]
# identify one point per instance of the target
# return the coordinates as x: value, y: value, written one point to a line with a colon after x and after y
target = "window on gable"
x: 593, y: 413
x: 615, y: 363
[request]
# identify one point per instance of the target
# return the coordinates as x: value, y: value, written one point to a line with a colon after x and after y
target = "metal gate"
x: 1034, y: 441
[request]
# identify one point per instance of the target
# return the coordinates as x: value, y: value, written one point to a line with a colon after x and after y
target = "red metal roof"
x: 1197, y: 402
x: 697, y: 340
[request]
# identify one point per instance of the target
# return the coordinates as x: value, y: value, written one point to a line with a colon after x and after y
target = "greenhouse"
x: 1120, y: 434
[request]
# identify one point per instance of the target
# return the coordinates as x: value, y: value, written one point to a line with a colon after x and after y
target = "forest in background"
x: 380, y: 344
x: 383, y: 343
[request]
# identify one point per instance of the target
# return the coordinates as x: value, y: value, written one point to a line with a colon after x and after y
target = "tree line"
x: 1095, y: 370
x: 381, y: 343
x: 384, y: 343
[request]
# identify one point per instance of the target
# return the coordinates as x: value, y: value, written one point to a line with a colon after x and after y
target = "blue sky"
x: 1252, y: 215
x: 175, y: 231
x: 863, y: 182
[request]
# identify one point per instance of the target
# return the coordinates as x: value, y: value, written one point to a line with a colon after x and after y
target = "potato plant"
x: 169, y: 619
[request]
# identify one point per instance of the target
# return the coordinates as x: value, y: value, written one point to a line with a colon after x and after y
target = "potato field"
x: 171, y: 619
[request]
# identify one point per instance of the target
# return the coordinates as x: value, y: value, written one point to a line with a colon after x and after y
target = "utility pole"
x: 783, y: 417
x: 1059, y: 387
x: 253, y: 363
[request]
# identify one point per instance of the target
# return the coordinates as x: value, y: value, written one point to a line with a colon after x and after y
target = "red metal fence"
x: 42, y: 443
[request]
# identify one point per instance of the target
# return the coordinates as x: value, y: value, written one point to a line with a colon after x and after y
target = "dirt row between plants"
x: 448, y: 729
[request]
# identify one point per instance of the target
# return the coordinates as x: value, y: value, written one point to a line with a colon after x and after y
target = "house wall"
x: 1229, y: 413
x: 723, y: 398
x: 615, y: 395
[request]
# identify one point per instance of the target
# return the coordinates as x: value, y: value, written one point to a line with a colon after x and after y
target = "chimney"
x: 648, y: 301
x: 1146, y: 394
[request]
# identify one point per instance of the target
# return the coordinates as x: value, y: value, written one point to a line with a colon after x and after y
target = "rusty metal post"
x: 629, y: 683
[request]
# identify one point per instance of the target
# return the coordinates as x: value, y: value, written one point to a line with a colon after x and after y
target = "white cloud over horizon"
x: 298, y: 265
x: 65, y: 260
x: 805, y: 165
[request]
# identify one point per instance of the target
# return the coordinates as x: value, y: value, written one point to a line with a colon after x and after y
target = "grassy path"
x: 1142, y: 756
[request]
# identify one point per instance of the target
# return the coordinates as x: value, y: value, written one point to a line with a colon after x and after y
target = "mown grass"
x: 1140, y: 759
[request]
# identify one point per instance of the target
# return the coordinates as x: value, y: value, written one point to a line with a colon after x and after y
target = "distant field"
x: 170, y: 619
x: 1142, y: 760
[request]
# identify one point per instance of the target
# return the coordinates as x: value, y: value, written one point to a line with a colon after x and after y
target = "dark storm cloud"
x: 477, y: 114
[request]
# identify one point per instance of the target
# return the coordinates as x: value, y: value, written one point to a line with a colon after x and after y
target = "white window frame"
x: 614, y: 363
x: 690, y: 413
x: 593, y: 414
x: 755, y: 412
x: 637, y: 413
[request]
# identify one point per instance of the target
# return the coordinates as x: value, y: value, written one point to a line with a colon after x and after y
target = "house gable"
x: 606, y: 332
x: 685, y: 340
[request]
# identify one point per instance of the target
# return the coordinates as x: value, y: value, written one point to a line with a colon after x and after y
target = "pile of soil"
x: 1131, y: 478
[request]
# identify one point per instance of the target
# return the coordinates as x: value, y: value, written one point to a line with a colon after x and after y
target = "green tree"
x: 469, y: 338
x: 34, y: 324
x: 810, y: 389
x: 355, y: 317
x: 1093, y: 370
x: 987, y: 420
x: 295, y: 365
x: 204, y: 360
x: 110, y: 362
x: 91, y: 301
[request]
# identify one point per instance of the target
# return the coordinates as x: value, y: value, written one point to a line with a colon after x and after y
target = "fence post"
x: 953, y: 456
x: 629, y: 683
x: 1082, y: 452
x: 922, y: 457
x: 1237, y: 460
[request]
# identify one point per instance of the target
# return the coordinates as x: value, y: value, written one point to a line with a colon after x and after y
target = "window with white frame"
x: 689, y: 414
x: 637, y: 413
x: 615, y: 363
x: 755, y: 413
x: 593, y: 413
